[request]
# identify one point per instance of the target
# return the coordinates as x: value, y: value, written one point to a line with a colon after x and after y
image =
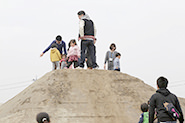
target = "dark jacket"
x: 156, y: 101
x: 60, y: 47
x: 88, y: 27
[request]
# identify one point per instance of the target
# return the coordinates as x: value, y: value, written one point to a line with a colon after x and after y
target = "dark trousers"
x: 90, y: 45
x: 89, y: 61
x: 75, y: 64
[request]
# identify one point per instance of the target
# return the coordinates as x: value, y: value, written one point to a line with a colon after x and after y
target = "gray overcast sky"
x: 149, y: 34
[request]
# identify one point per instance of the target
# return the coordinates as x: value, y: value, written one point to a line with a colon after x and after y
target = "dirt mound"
x: 84, y: 96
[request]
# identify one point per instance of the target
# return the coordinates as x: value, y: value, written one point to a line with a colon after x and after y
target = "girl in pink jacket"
x: 73, y: 54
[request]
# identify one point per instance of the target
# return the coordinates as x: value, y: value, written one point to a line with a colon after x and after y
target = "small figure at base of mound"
x: 144, y: 118
x: 43, y: 117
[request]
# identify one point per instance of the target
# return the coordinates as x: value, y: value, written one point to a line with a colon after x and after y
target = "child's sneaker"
x: 79, y: 68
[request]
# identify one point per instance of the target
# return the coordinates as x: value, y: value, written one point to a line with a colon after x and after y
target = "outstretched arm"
x: 46, y: 49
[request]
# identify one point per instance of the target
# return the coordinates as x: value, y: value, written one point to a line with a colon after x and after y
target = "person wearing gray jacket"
x: 110, y: 56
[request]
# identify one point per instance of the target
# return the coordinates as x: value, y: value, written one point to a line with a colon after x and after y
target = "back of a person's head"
x: 144, y: 107
x: 81, y: 12
x: 54, y: 45
x: 118, y: 54
x: 58, y: 38
x: 112, y: 45
x: 162, y: 82
x: 43, y: 117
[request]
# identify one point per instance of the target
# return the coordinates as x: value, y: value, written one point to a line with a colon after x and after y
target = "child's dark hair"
x: 144, y: 107
x: 54, y: 45
x: 69, y: 44
x: 112, y: 45
x: 73, y: 41
x: 162, y: 82
x: 58, y: 38
x: 118, y: 54
x: 43, y: 117
x: 81, y: 12
x: 64, y: 55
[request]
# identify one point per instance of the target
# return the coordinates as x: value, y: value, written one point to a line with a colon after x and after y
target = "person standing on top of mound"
x: 73, y: 54
x: 43, y: 117
x: 117, y: 62
x: 61, y: 45
x: 165, y: 103
x: 55, y: 56
x: 87, y: 36
x: 110, y: 56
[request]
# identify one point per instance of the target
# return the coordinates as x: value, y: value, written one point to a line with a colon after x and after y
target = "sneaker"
x: 96, y: 66
x: 79, y: 68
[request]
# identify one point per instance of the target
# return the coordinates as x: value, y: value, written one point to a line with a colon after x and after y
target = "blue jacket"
x: 60, y: 46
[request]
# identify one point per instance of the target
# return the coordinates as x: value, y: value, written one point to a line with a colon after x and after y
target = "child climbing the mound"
x: 55, y: 56
x: 73, y: 54
x: 63, y: 61
x: 117, y: 62
x: 144, y: 118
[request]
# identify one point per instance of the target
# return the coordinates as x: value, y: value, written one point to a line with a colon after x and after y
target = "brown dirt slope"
x: 80, y: 96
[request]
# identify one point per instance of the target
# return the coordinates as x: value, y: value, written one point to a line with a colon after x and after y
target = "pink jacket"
x: 74, y: 51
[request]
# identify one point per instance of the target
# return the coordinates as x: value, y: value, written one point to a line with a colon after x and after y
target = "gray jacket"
x: 110, y: 56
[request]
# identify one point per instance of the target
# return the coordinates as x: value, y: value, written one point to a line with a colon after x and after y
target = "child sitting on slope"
x: 73, y: 54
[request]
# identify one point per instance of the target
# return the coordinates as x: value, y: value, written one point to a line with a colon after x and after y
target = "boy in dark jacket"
x: 156, y: 102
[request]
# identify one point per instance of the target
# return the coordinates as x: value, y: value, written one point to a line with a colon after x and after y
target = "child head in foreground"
x: 144, y: 107
x: 42, y: 117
